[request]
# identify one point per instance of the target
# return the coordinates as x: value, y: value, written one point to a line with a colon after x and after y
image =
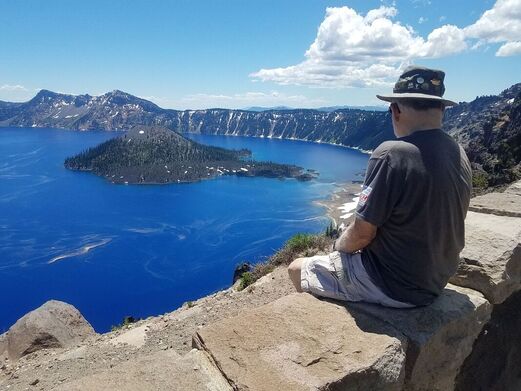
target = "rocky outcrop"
x: 163, y: 371
x: 302, y: 343
x: 53, y: 325
x: 494, y: 364
x: 440, y: 336
x: 491, y: 260
x: 501, y: 204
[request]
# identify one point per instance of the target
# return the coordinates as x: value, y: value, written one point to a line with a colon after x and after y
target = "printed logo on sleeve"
x: 364, y: 196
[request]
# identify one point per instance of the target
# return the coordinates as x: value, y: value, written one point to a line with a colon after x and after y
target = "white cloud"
x: 238, y: 100
x: 422, y: 20
x: 352, y: 50
x: 442, y: 42
x: 500, y: 24
x: 509, y: 49
x: 418, y: 3
x: 15, y: 93
x: 8, y: 87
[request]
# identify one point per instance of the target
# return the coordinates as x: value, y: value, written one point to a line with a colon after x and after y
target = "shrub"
x: 246, y: 280
x: 299, y: 245
x: 127, y: 320
x: 479, y: 179
x: 299, y: 242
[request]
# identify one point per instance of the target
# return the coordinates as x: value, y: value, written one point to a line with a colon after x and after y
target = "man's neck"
x: 420, y: 128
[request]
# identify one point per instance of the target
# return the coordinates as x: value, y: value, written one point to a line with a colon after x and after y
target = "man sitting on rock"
x: 404, y: 243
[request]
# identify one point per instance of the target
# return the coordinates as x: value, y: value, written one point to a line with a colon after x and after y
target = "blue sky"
x: 237, y: 53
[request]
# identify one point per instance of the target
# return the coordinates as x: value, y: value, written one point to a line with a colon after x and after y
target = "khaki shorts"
x: 342, y: 276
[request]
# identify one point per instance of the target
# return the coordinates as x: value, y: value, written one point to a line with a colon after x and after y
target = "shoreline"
x: 364, y: 151
x: 341, y: 204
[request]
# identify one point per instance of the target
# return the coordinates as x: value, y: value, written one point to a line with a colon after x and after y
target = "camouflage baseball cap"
x: 418, y: 82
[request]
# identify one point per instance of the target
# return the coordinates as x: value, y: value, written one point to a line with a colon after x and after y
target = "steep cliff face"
x: 490, y: 130
x: 355, y: 128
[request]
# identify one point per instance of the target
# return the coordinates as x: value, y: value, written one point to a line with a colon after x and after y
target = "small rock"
x: 34, y: 382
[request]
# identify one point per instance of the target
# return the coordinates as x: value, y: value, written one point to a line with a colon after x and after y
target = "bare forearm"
x: 354, y: 238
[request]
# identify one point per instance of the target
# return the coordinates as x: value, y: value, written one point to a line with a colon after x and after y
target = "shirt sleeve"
x: 381, y: 191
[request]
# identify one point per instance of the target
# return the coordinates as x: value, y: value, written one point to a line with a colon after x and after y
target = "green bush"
x: 300, y: 245
x: 300, y: 242
x: 246, y: 280
x: 479, y: 179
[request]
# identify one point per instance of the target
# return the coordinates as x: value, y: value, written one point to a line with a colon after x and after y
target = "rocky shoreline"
x: 341, y: 204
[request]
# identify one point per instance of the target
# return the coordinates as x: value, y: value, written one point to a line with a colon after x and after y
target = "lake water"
x: 116, y: 250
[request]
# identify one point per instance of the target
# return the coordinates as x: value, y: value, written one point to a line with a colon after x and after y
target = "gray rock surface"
x: 440, y: 335
x: 302, y: 343
x: 491, y: 260
x: 502, y: 204
x: 494, y: 364
x: 162, y: 371
x: 3, y: 345
x: 53, y: 325
x: 514, y: 188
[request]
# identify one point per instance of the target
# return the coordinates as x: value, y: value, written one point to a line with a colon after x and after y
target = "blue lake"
x: 116, y: 250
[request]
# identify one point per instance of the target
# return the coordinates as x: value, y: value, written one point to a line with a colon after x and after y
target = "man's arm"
x: 357, y: 236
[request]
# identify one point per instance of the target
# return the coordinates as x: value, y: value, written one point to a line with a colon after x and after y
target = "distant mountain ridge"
x: 118, y: 110
x: 488, y: 127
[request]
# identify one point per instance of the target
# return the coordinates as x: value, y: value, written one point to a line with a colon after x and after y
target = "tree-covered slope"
x: 153, y: 154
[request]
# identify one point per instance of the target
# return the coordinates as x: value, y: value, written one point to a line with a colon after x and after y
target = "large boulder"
x: 53, y: 325
x: 302, y: 343
x: 440, y: 336
x: 491, y: 260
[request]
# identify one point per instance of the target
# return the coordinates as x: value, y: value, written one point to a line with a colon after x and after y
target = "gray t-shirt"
x: 417, y: 192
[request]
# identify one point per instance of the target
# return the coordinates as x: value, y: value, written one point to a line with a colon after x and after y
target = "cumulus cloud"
x: 363, y: 51
x: 500, y: 24
x: 443, y: 41
x: 509, y: 49
x: 353, y: 50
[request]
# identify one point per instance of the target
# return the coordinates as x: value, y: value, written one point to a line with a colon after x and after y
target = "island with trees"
x: 158, y: 155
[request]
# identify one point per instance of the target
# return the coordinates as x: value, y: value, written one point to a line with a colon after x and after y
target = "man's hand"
x: 357, y: 236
